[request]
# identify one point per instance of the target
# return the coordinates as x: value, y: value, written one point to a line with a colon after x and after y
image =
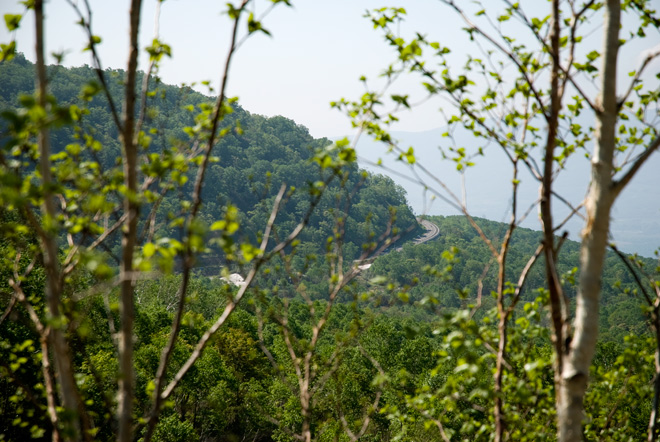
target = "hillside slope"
x: 254, y: 158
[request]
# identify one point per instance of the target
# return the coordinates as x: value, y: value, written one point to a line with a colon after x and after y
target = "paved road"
x: 432, y: 230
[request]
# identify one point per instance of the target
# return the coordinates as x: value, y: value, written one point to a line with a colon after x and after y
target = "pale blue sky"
x: 317, y: 52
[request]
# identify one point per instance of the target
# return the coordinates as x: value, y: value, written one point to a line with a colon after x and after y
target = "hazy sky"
x: 317, y: 52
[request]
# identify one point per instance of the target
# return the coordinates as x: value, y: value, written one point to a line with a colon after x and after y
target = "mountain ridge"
x: 635, y: 216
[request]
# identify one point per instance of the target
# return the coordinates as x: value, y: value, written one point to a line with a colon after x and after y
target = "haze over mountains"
x: 636, y: 214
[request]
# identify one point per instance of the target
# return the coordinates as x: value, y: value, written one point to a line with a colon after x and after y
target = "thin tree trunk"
x: 126, y: 388
x: 306, y: 431
x: 499, y: 367
x: 653, y: 420
x: 558, y: 318
x: 57, y: 340
x: 599, y: 202
x: 503, y: 313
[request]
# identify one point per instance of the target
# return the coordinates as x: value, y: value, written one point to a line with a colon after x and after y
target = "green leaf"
x: 93, y: 41
x: 232, y: 11
x: 378, y: 280
x: 401, y: 99
x: 158, y: 49
x: 593, y: 55
x: 7, y: 51
x: 149, y: 249
x: 12, y: 21
x: 410, y: 156
x: 249, y: 252
x: 219, y: 225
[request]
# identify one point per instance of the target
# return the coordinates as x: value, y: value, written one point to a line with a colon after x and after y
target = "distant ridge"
x: 635, y: 217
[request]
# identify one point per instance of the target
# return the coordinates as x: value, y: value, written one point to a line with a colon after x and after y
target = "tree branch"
x: 637, y: 77
x: 620, y: 184
x: 86, y: 24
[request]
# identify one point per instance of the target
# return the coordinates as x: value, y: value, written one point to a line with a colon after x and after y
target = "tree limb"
x: 620, y: 184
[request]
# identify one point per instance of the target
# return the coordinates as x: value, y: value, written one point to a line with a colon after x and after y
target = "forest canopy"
x: 176, y: 268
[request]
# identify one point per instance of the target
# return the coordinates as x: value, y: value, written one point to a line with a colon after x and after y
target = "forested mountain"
x: 128, y: 207
x: 402, y: 350
x: 341, y: 210
x: 255, y: 157
x: 459, y: 247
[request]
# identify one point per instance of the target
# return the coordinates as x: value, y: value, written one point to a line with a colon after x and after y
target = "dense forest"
x: 255, y: 156
x: 312, y: 345
x: 415, y: 324
x: 622, y: 310
x: 252, y: 161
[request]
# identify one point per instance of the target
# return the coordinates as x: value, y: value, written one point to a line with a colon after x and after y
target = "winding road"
x: 432, y: 230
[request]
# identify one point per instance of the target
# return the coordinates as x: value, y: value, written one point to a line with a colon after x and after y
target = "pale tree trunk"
x: 653, y: 431
x: 126, y: 390
x: 63, y: 365
x: 558, y: 318
x: 306, y: 413
x: 575, y: 373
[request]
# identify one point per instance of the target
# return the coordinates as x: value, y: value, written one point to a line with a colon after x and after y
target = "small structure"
x: 235, y: 279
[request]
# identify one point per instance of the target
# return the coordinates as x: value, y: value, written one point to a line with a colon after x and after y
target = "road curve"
x: 432, y: 230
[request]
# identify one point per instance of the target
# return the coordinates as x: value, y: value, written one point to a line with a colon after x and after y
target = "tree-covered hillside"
x: 127, y: 207
x: 109, y: 215
x: 254, y: 158
x: 450, y: 270
x: 389, y: 349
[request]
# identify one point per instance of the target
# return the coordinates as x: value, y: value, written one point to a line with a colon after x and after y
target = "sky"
x: 317, y: 51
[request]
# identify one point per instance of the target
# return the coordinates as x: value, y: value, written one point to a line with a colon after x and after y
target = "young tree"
x: 74, y: 197
x: 305, y: 363
x: 521, y: 76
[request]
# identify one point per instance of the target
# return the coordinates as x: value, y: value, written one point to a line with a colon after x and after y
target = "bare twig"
x: 618, y: 185
x: 650, y: 57
x: 86, y: 23
x: 523, y: 278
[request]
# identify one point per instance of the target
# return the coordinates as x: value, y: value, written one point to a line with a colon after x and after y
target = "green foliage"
x: 263, y: 152
x: 254, y: 155
x: 619, y: 402
x: 425, y: 266
x: 172, y: 429
x: 416, y: 374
